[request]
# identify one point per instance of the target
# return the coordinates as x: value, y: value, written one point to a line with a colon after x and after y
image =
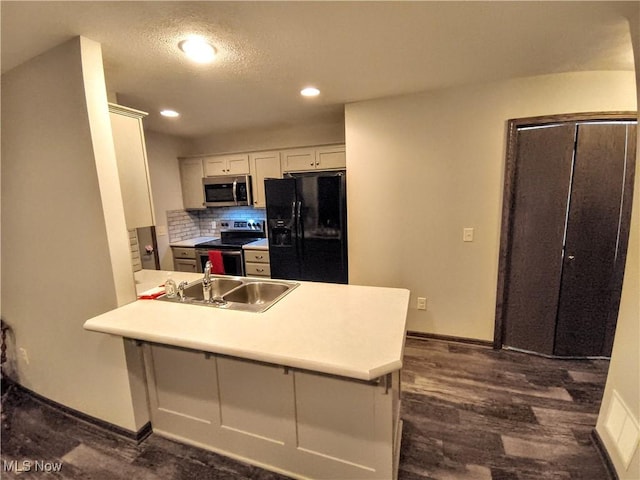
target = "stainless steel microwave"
x: 227, y: 191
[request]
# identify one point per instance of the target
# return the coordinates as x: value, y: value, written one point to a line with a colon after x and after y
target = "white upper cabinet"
x: 235, y: 164
x: 315, y: 158
x: 133, y: 169
x: 260, y: 165
x: 263, y: 165
x: 331, y: 158
x: 191, y: 173
x: 299, y: 159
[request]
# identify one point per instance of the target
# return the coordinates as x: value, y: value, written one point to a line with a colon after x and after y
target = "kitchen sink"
x: 236, y: 293
x: 219, y: 286
x: 257, y: 293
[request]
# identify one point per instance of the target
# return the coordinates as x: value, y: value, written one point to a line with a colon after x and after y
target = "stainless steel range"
x: 233, y: 235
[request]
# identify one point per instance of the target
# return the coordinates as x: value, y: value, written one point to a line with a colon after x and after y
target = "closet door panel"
x: 623, y: 238
x: 592, y: 234
x: 538, y: 217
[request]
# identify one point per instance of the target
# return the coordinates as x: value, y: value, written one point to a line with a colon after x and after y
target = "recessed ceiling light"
x: 310, y: 92
x: 169, y: 113
x: 198, y: 49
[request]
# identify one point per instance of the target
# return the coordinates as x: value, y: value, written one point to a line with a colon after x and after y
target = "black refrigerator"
x: 307, y: 227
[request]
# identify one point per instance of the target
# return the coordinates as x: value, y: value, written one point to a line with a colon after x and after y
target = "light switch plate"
x: 467, y: 234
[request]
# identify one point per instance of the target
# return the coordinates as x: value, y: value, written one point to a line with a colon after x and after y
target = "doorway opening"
x: 565, y: 229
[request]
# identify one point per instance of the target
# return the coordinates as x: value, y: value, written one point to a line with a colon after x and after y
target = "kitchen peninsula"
x: 309, y: 388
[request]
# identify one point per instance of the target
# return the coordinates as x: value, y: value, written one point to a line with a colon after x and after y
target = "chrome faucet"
x: 206, y: 281
x: 207, y: 287
x: 181, y: 288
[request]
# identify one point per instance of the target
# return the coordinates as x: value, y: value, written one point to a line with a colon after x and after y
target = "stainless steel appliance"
x: 227, y: 191
x: 233, y: 235
x: 148, y: 244
x: 307, y: 226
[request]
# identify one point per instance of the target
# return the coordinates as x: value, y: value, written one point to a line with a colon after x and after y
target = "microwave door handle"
x: 235, y: 186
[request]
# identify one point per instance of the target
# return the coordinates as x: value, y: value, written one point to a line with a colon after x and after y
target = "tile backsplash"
x: 186, y: 224
x: 183, y: 225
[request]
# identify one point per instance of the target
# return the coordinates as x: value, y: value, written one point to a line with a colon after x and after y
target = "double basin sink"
x: 235, y: 293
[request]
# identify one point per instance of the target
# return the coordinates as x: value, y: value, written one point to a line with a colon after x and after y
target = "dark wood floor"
x: 469, y: 413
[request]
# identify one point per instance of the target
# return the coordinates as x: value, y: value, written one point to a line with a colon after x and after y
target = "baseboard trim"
x: 447, y: 338
x: 604, y: 455
x: 552, y: 357
x: 138, y: 436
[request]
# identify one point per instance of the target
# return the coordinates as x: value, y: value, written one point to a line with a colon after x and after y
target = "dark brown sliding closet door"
x: 543, y: 175
x: 591, y: 240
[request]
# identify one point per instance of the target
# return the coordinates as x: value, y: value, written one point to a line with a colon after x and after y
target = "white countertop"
x: 347, y: 330
x: 192, y: 242
x: 149, y: 279
x: 262, y: 244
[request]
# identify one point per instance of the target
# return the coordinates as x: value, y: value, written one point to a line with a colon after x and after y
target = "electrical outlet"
x: 422, y: 303
x: 24, y: 355
x: 467, y: 235
x: 214, y: 224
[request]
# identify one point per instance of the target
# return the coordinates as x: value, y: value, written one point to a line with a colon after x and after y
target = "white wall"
x: 422, y: 167
x: 162, y: 155
x: 624, y: 368
x: 65, y: 252
x: 268, y: 138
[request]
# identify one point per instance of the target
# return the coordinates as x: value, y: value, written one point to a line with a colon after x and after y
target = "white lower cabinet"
x: 184, y: 259
x: 256, y: 263
x: 303, y: 424
x: 182, y: 388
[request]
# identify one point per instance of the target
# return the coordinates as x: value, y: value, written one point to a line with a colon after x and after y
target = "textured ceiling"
x: 352, y: 51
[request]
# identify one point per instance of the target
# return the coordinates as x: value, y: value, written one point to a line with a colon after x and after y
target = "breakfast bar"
x: 309, y: 388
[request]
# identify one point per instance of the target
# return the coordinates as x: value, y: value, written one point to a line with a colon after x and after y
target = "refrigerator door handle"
x: 293, y: 213
x: 298, y: 218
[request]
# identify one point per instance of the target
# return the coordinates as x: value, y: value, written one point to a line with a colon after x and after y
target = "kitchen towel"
x: 152, y: 293
x: 217, y: 265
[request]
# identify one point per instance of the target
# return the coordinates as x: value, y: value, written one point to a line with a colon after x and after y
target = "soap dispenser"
x: 170, y: 288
